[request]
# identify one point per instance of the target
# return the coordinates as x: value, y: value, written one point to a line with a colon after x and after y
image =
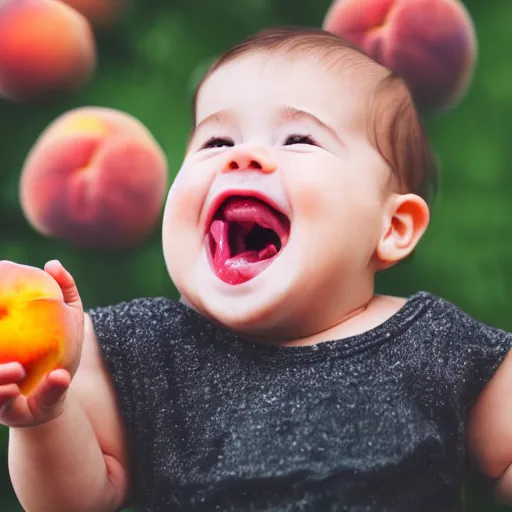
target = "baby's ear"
x: 407, y: 218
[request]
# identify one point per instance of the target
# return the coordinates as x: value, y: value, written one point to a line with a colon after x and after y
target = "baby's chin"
x: 258, y: 308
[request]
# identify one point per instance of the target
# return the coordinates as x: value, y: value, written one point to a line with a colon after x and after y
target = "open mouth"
x: 245, y: 236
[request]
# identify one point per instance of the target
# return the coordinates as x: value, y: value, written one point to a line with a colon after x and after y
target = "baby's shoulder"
x: 135, y: 309
x: 452, y: 321
x: 143, y: 321
x: 459, y: 343
x: 433, y: 322
x: 423, y: 314
x: 139, y: 311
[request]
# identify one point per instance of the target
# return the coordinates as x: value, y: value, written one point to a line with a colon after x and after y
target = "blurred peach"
x: 431, y: 44
x: 97, y: 178
x: 46, y: 49
x: 34, y: 325
x: 100, y: 13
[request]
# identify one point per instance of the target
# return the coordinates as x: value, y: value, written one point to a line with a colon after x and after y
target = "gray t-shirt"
x: 373, y: 423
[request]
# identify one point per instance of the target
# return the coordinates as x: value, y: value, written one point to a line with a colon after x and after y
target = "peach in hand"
x: 97, y: 178
x: 34, y: 323
x: 100, y: 13
x: 431, y: 44
x: 46, y: 49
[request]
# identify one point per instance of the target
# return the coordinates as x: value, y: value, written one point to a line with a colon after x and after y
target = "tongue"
x: 243, y: 213
x: 249, y: 210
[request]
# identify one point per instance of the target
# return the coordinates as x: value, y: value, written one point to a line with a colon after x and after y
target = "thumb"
x: 66, y: 282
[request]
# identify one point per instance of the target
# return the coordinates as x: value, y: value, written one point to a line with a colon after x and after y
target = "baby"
x: 280, y: 381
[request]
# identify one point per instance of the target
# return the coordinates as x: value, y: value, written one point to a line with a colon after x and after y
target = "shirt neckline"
x: 415, y: 306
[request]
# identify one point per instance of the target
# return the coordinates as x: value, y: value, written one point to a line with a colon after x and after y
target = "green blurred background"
x: 148, y: 66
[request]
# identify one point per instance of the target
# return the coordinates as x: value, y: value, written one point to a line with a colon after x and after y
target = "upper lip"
x: 218, y: 199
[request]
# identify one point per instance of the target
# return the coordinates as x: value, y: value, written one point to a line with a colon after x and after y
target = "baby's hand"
x: 43, y: 405
x: 46, y: 402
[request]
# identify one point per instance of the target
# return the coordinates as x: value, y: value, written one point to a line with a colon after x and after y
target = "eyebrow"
x: 287, y: 113
x: 224, y: 116
x: 284, y: 113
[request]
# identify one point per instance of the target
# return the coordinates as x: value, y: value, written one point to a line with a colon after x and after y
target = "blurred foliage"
x: 148, y: 66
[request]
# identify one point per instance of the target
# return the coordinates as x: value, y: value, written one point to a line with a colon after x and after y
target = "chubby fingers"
x: 7, y: 393
x: 49, y: 393
x: 44, y: 404
x: 11, y: 373
x: 65, y: 281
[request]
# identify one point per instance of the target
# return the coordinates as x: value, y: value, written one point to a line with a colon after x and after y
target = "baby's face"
x: 276, y: 212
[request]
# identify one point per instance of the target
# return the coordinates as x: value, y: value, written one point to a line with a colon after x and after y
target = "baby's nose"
x: 249, y: 159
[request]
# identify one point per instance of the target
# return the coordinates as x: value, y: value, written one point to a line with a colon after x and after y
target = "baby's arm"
x: 78, y: 461
x: 489, y: 430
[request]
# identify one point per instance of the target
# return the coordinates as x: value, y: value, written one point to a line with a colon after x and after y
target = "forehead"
x: 255, y: 85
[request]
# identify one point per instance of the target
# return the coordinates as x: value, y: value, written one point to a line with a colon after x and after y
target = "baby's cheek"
x: 182, y: 232
x: 186, y: 197
x: 328, y: 200
x: 307, y: 202
x: 310, y: 191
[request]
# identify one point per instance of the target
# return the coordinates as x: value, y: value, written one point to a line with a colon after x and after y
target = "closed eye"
x: 217, y: 142
x: 300, y: 139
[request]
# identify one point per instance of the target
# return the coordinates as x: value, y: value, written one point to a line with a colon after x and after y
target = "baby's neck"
x: 364, y: 318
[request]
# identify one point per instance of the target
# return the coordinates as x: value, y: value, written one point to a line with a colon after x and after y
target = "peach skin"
x: 431, y: 44
x: 97, y: 178
x: 46, y: 49
x: 35, y: 325
x: 100, y: 13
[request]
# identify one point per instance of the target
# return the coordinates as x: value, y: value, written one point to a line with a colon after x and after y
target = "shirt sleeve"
x: 491, y: 346
x: 112, y: 326
x: 131, y: 340
x: 482, y: 348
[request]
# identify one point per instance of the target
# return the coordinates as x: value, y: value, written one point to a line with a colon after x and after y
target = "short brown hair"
x: 394, y: 126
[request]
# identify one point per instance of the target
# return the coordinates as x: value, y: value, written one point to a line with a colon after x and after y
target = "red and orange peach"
x: 34, y: 324
x: 46, y: 49
x: 97, y: 178
x: 431, y: 44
